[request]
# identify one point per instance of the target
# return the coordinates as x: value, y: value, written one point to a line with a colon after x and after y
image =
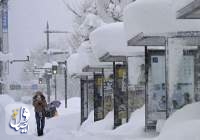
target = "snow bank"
x: 133, y: 129
x: 154, y: 17
x: 5, y: 100
x: 73, y: 106
x: 99, y: 126
x: 184, y: 131
x: 135, y: 126
x: 184, y: 124
x: 188, y: 113
x: 110, y: 38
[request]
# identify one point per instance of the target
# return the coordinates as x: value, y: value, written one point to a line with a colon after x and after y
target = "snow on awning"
x: 110, y: 39
x: 55, y: 52
x: 86, y: 52
x: 155, y: 17
x: 75, y: 64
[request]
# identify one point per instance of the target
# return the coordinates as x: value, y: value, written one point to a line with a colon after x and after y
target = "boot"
x: 41, y: 132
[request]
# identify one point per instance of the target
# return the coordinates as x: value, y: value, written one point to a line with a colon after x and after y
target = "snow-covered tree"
x: 91, y: 14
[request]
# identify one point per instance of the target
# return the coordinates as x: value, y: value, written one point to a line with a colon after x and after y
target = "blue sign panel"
x: 5, y: 18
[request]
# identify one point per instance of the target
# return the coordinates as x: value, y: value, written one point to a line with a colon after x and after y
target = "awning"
x: 150, y: 23
x: 190, y: 11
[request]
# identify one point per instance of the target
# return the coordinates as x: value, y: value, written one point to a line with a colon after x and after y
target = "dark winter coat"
x: 39, y: 102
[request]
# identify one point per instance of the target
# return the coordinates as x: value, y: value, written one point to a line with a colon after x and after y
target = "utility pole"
x: 47, y: 32
x: 65, y: 84
x: 48, y: 77
x: 55, y: 87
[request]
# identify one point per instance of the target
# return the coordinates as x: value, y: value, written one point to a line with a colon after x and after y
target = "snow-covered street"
x: 99, y: 69
x: 67, y: 125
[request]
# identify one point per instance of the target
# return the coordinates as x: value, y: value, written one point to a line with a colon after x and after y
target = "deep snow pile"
x: 100, y: 126
x: 156, y: 17
x: 133, y: 129
x: 184, y: 124
x: 111, y: 38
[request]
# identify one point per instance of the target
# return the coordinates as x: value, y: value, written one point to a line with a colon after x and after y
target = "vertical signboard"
x: 120, y: 95
x: 4, y: 24
x: 183, y: 61
x: 156, y: 95
x: 5, y: 17
x: 197, y: 75
x: 90, y: 95
x: 84, y: 98
x: 98, y: 97
x: 108, y: 93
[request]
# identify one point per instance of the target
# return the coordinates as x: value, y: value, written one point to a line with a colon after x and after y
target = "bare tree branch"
x: 71, y: 9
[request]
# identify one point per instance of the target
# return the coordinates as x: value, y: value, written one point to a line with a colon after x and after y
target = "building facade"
x: 4, y: 49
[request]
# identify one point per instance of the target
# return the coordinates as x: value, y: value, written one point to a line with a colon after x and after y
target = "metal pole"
x: 146, y: 87
x: 166, y: 78
x: 48, y: 88
x: 114, y: 94
x: 87, y: 81
x: 47, y: 35
x: 65, y: 84
x: 127, y: 92
x: 48, y: 57
x: 55, y: 88
x: 103, y: 92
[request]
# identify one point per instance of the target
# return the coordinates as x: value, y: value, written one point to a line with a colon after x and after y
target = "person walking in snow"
x: 40, y: 104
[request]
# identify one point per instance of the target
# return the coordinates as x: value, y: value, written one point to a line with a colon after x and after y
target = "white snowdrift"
x: 100, y: 126
x: 5, y: 100
x: 133, y: 129
x: 155, y: 17
x: 111, y: 39
x: 184, y: 124
x: 135, y: 126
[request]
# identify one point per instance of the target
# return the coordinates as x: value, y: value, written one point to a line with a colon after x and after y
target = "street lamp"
x: 40, y: 80
x: 20, y: 60
x: 54, y: 69
x: 65, y: 77
x: 54, y: 72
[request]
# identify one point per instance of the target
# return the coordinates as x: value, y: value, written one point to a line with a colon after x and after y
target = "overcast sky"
x: 27, y: 21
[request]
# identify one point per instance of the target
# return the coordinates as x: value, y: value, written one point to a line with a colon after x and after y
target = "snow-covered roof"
x: 55, y: 51
x: 111, y: 39
x: 155, y: 17
x: 85, y: 51
x: 54, y: 63
x: 76, y: 63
